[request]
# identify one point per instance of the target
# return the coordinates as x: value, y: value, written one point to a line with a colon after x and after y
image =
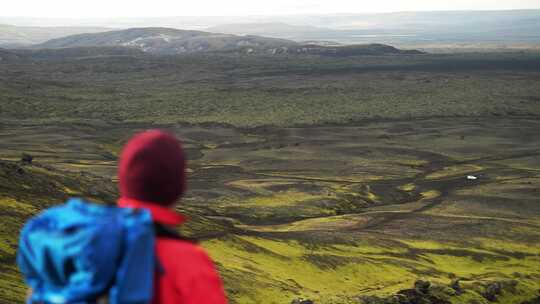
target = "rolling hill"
x: 429, y: 29
x: 167, y: 41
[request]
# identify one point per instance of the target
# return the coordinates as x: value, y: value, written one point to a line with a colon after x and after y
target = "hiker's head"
x: 152, y: 168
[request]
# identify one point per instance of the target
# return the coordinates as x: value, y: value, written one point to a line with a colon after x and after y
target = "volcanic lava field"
x: 332, y: 182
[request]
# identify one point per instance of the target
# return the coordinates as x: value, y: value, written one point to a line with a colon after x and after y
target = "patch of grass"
x: 12, y: 205
x: 313, y: 275
x: 13, y: 289
x: 407, y: 187
x: 280, y: 199
x: 346, y: 271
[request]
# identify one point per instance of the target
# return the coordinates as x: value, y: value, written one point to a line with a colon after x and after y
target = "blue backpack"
x: 80, y: 252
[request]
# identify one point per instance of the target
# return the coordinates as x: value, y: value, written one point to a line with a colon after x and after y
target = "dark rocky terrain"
x: 337, y: 179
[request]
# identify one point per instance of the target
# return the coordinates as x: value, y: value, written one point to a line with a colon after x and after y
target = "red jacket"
x: 189, y: 275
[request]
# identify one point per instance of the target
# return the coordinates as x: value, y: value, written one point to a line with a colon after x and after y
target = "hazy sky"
x: 154, y: 8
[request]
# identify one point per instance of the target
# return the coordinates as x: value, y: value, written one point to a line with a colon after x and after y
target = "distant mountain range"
x: 402, y: 29
x: 167, y: 41
x: 500, y: 28
x: 424, y: 30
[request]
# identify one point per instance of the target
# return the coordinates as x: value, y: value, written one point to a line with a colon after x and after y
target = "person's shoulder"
x: 186, y: 261
x: 180, y: 251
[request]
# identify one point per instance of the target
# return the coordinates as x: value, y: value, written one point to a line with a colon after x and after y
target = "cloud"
x: 140, y: 8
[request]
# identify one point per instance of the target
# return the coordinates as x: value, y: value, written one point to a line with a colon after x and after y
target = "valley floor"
x: 329, y: 213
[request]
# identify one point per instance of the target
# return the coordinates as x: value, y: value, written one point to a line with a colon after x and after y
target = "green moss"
x: 279, y: 199
x: 469, y: 297
x: 12, y: 289
x: 407, y: 187
x: 316, y: 272
x: 12, y: 205
x: 324, y: 272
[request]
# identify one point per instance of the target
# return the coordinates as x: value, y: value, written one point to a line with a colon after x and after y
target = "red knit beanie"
x: 152, y: 168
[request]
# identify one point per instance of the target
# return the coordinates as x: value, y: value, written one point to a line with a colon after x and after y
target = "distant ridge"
x: 168, y: 41
x: 498, y: 29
